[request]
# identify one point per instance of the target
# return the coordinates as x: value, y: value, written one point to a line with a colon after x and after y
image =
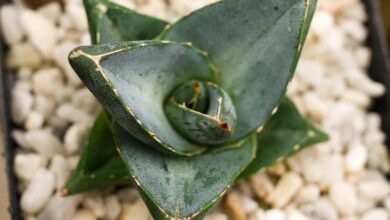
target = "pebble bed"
x: 341, y: 179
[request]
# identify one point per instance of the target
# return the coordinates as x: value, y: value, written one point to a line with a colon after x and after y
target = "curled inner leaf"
x: 202, y: 112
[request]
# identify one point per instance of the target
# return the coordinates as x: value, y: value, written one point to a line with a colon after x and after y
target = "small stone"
x: 40, y: 31
x: 128, y: 195
x: 376, y: 214
x: 83, y: 99
x: 60, y: 56
x: 44, y: 142
x: 356, y: 97
x: 59, y: 167
x: 322, y: 23
x: 60, y: 208
x: 233, y: 207
x: 10, y: 26
x: 343, y: 196
x: 34, y: 121
x: 386, y: 203
x: 258, y: 215
x: 356, y: 158
x: 51, y: 11
x: 74, y: 138
x: 137, y: 211
x: 277, y: 169
x: 306, y: 194
x: 321, y: 209
x: 113, y: 207
x: 24, y: 74
x: 275, y: 214
x: 43, y: 106
x: 72, y: 114
x: 38, y: 191
x: 83, y: 214
x: 21, y: 104
x: 216, y: 216
x: 374, y: 189
x: 19, y: 137
x: 23, y: 55
x: 262, y: 186
x: 248, y: 204
x: 77, y: 16
x: 73, y: 161
x: 285, y: 189
x: 296, y: 215
x: 95, y: 203
x: 47, y: 81
x: 26, y: 165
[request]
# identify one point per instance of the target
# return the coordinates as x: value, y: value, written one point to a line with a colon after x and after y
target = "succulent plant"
x: 190, y: 108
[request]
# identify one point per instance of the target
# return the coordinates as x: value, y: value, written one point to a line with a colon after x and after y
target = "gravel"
x: 341, y: 179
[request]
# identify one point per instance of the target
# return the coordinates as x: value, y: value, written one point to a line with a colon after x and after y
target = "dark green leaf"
x: 255, y: 44
x: 100, y: 164
x: 179, y: 187
x: 112, y: 23
x: 132, y: 81
x: 286, y: 132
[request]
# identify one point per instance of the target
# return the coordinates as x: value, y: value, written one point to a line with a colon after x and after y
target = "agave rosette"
x: 194, y: 106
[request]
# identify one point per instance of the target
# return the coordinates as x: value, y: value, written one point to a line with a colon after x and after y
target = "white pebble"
x: 51, y: 11
x: 74, y: 138
x: 44, y: 142
x: 34, y: 121
x: 59, y: 167
x: 343, y: 196
x: 322, y: 23
x: 83, y: 214
x: 309, y: 193
x: 38, y: 191
x: 77, y: 16
x: 286, y: 188
x: 60, y: 208
x: 60, y: 56
x: 262, y: 186
x: 275, y: 214
x: 356, y: 158
x: 95, y: 203
x: 26, y: 165
x: 374, y: 189
x: 10, y: 26
x: 21, y: 104
x: 43, y: 105
x: 113, y: 207
x: 248, y: 203
x: 137, y: 211
x: 72, y: 114
x: 47, y: 81
x: 296, y: 215
x: 19, y: 137
x: 376, y: 214
x: 216, y: 216
x: 43, y: 34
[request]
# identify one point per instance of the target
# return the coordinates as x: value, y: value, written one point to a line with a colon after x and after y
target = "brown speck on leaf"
x: 224, y: 126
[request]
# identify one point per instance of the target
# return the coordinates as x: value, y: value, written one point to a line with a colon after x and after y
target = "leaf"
x: 210, y: 127
x: 111, y: 23
x: 132, y: 81
x: 179, y: 187
x: 286, y: 132
x: 255, y: 44
x: 100, y: 164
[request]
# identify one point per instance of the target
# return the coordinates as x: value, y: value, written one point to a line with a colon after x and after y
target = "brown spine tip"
x: 64, y: 192
x: 224, y: 126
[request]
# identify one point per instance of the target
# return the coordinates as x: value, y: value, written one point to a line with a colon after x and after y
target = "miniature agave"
x: 192, y: 107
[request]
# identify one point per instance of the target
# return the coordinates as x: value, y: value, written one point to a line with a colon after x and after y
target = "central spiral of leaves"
x: 202, y: 112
